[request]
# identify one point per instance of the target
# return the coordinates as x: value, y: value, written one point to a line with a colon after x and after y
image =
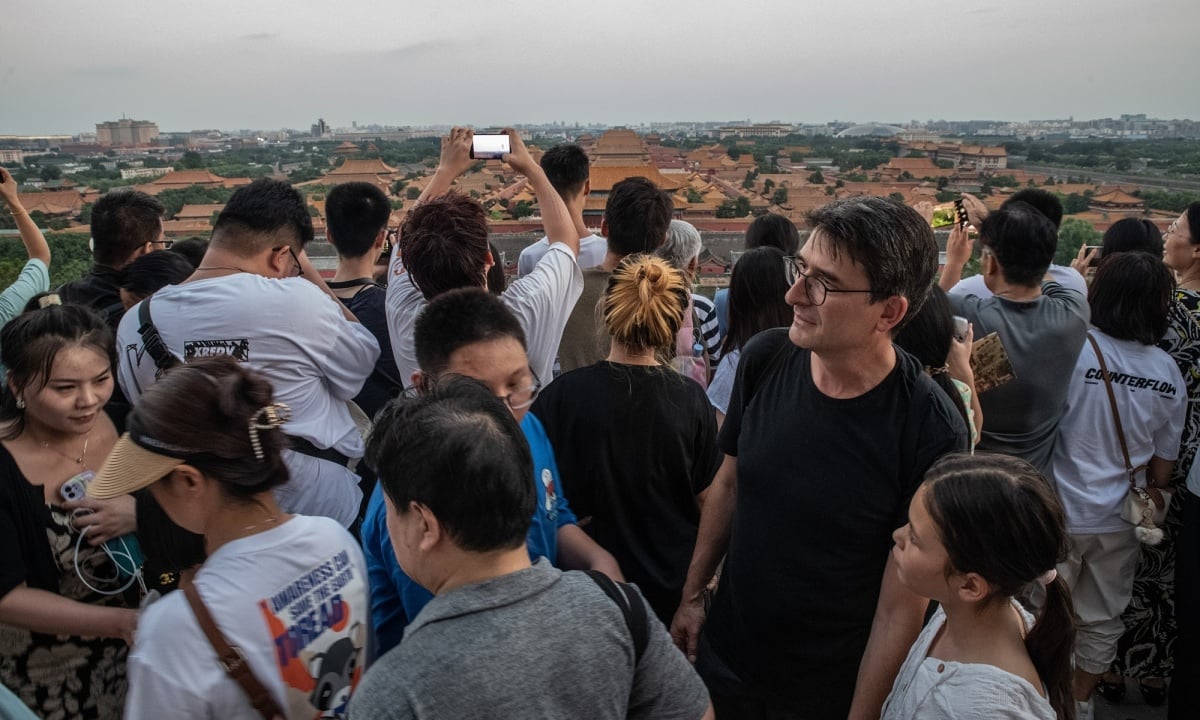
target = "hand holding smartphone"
x: 489, y: 147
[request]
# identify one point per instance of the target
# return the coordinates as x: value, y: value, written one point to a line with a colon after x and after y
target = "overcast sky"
x: 185, y: 64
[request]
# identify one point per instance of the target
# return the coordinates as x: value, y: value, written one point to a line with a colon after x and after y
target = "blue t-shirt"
x: 396, y: 598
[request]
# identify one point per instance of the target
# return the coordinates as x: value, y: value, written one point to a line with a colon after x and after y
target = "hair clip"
x: 271, y: 416
x: 46, y: 301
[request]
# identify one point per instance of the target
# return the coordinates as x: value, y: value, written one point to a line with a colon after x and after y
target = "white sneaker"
x: 1084, y: 711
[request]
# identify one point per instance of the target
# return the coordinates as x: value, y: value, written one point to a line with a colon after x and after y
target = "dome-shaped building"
x: 870, y: 130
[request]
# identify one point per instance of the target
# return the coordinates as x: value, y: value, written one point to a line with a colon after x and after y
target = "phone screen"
x: 488, y: 147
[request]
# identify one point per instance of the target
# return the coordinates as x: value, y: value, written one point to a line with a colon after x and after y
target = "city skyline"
x: 273, y: 65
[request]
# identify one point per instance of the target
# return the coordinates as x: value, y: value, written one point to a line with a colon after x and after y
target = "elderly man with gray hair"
x: 700, y: 333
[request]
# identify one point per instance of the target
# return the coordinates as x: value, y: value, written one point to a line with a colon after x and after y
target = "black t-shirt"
x: 821, y: 485
x: 634, y: 446
x: 384, y: 382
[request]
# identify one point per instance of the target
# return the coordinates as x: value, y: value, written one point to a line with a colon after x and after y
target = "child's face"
x: 921, y: 559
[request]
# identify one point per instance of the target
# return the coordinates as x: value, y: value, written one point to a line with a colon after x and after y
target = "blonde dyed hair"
x: 644, y: 304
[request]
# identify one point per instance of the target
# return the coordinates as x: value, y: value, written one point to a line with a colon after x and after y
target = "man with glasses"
x: 470, y: 332
x: 829, y: 431
x: 126, y: 224
x: 257, y: 298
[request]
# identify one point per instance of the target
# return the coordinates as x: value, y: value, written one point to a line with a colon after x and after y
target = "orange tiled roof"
x: 1117, y: 197
x: 912, y: 164
x: 56, y: 202
x: 363, y: 166
x: 604, y: 177
x: 203, y: 212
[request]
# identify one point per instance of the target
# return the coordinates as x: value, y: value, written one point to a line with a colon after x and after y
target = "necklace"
x: 269, y: 521
x: 220, y: 267
x: 76, y: 460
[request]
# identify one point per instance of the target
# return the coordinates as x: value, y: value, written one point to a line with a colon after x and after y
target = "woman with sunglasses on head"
x: 66, y: 613
x: 635, y: 440
x: 284, y: 595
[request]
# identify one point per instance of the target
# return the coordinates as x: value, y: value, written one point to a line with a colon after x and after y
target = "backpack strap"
x: 231, y: 657
x: 152, y: 341
x: 632, y: 608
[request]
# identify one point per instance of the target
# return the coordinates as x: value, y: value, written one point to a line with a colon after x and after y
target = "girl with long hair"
x: 982, y: 531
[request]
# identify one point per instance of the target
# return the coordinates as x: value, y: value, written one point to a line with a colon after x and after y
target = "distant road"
x: 1143, y: 180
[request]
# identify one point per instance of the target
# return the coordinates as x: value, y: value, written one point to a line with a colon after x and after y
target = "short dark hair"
x: 261, y: 215
x: 192, y: 248
x: 566, y: 166
x: 122, y: 222
x: 1130, y: 296
x: 458, y: 318
x: 1044, y: 201
x: 773, y: 230
x: 457, y: 450
x: 890, y: 240
x: 31, y: 341
x: 1193, y: 217
x: 928, y: 336
x: 1132, y: 235
x: 1023, y: 241
x: 153, y: 271
x: 444, y: 244
x: 355, y: 212
x: 637, y: 214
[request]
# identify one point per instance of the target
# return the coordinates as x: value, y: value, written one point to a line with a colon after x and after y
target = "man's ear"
x: 894, y: 310
x: 380, y: 239
x: 431, y: 529
x: 604, y: 226
x: 587, y: 187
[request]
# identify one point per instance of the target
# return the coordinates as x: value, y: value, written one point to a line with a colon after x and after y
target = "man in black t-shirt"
x: 356, y: 214
x: 829, y: 431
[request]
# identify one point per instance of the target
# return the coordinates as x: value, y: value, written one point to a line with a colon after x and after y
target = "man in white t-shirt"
x: 567, y: 168
x: 257, y: 298
x: 443, y: 245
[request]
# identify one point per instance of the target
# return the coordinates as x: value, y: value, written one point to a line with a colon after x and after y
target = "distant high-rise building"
x: 126, y: 132
x: 321, y: 129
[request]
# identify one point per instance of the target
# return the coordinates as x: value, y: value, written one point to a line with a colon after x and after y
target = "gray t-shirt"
x: 537, y: 643
x: 1043, y: 338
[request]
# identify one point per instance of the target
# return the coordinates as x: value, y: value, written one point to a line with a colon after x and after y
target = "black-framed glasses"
x: 165, y: 244
x: 521, y: 399
x: 815, y: 288
x: 295, y: 259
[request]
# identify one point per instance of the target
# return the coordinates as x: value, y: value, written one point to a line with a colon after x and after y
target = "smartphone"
x: 945, y: 215
x: 960, y: 213
x: 489, y: 147
x: 961, y: 325
x: 76, y: 488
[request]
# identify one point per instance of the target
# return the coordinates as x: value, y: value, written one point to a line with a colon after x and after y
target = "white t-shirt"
x: 542, y: 302
x: 293, y: 598
x: 721, y: 387
x: 1089, y: 469
x: 296, y: 336
x: 1064, y: 275
x: 933, y: 689
x: 592, y: 250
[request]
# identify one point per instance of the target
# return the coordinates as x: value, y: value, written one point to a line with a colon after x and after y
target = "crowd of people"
x: 234, y: 489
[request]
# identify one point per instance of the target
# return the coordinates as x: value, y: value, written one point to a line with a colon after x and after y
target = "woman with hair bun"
x: 287, y: 592
x: 634, y: 439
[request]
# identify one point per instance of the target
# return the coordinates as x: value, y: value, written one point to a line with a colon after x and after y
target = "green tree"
x: 1073, y: 234
x: 523, y: 208
x: 742, y: 205
x: 50, y: 172
x: 191, y: 160
x: 413, y: 192
x: 898, y: 197
x: 767, y: 185
x: 1075, y: 203
x: 727, y: 209
x: 694, y: 196
x: 780, y: 197
x: 85, y: 214
x: 817, y: 178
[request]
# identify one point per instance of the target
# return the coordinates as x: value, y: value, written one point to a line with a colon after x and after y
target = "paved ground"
x: 1131, y: 708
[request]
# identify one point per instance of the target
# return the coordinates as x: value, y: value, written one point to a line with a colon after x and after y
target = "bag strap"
x: 632, y: 608
x: 152, y: 341
x: 1112, y: 402
x: 231, y: 657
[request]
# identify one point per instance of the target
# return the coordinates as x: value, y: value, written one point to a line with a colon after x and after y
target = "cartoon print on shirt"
x: 551, y: 494
x: 318, y: 638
